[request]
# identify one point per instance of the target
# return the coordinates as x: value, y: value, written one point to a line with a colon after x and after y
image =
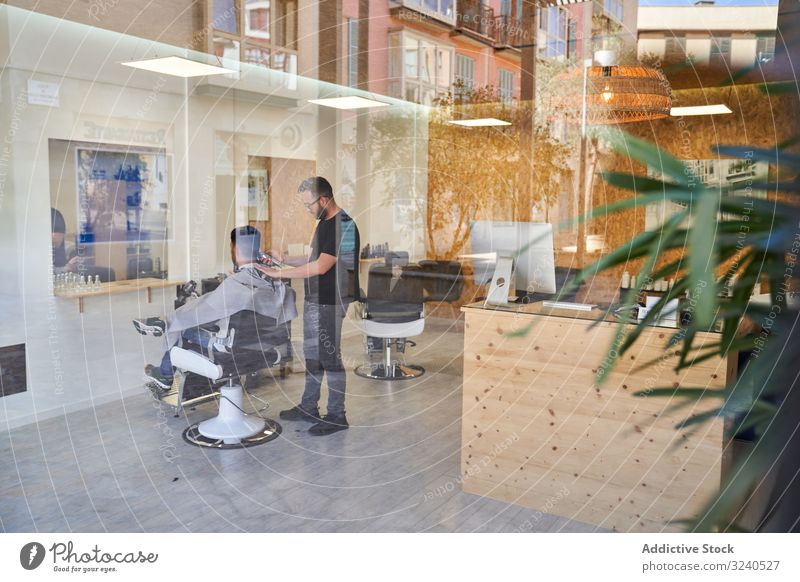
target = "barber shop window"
x: 257, y: 32
x: 109, y: 211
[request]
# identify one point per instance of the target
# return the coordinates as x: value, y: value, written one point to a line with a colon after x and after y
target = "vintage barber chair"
x: 249, y: 343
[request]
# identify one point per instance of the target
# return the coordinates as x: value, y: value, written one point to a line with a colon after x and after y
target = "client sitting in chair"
x: 247, y: 290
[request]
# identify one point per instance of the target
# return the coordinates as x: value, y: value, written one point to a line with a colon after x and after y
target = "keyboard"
x: 569, y: 305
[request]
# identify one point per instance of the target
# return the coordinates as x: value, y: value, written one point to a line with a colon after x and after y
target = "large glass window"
x: 441, y: 9
x: 572, y: 39
x: 225, y: 16
x: 285, y: 23
x: 675, y: 49
x: 269, y: 37
x: 226, y: 48
x: 613, y: 9
x: 444, y: 67
x: 257, y: 19
x: 765, y: 48
x: 720, y: 50
x: 554, y: 21
x: 427, y: 68
x: 506, y: 84
x: 256, y: 55
x: 465, y: 74
x: 352, y: 52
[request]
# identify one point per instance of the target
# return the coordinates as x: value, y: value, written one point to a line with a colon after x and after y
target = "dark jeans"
x: 194, y: 335
x: 322, y: 336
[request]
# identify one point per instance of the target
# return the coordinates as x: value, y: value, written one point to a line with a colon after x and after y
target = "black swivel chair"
x: 393, y: 312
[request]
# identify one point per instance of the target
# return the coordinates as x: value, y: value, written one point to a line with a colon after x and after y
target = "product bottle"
x: 626, y: 280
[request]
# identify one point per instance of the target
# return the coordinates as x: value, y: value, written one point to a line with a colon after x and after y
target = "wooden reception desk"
x: 539, y: 432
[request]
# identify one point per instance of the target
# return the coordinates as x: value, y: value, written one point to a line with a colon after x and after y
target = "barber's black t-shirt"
x: 337, y: 236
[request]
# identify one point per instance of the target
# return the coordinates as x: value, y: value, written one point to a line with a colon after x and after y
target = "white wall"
x: 707, y: 18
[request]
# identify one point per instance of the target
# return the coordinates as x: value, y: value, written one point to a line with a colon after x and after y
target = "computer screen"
x: 530, y: 244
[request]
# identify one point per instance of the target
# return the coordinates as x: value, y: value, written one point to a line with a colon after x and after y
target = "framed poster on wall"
x: 123, y: 194
x: 257, y: 189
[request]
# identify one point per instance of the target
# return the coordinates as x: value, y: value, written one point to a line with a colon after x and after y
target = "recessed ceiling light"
x: 178, y: 67
x: 484, y: 122
x: 351, y: 102
x: 699, y: 110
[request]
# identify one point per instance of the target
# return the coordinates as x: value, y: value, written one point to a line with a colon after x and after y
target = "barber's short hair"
x: 247, y: 240
x: 318, y: 186
x: 57, y: 222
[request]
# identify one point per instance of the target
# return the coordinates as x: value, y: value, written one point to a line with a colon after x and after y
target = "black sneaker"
x: 329, y: 425
x: 300, y: 413
x: 154, y: 326
x: 153, y: 376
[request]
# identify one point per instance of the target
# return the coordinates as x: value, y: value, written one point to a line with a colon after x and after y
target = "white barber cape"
x: 245, y: 289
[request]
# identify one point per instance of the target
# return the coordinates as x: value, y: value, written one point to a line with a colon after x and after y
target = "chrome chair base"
x: 394, y: 371
x: 271, y: 431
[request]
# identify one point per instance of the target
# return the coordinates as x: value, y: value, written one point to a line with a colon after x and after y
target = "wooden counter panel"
x: 562, y: 388
x: 585, y: 501
x: 534, y: 421
x: 609, y: 466
x: 569, y: 342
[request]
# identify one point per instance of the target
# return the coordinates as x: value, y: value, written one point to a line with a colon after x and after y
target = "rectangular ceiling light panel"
x: 178, y: 67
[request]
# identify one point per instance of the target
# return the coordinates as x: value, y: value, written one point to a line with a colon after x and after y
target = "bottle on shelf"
x: 626, y: 280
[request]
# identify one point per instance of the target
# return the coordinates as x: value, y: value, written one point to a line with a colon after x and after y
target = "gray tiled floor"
x: 123, y: 467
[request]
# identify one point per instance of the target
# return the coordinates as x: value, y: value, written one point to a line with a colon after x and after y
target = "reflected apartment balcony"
x: 440, y: 13
x: 478, y: 21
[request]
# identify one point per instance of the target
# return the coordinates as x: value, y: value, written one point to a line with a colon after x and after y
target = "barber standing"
x: 331, y: 284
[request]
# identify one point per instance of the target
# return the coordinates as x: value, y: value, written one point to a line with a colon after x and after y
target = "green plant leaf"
x: 699, y: 418
x: 772, y: 156
x: 702, y: 260
x: 649, y: 154
x: 690, y: 393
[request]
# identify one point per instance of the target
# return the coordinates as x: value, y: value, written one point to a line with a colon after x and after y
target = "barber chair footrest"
x: 395, y: 371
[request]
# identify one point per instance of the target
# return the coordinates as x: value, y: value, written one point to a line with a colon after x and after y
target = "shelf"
x: 113, y: 288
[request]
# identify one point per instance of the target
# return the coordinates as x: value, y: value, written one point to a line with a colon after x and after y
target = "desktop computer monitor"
x: 530, y: 244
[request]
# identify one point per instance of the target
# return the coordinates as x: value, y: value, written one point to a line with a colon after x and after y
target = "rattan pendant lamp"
x: 624, y: 94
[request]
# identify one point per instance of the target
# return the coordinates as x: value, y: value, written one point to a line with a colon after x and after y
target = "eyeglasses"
x: 308, y: 205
